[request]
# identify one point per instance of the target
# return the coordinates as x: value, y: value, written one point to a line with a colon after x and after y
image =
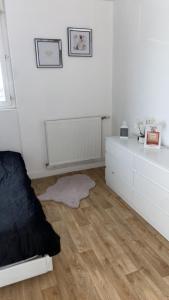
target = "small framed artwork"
x: 79, y: 42
x: 48, y: 53
x: 153, y: 137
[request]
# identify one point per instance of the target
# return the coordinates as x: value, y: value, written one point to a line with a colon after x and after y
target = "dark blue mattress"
x: 24, y: 231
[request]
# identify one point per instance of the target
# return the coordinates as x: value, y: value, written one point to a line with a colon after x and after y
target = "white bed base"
x: 26, y: 269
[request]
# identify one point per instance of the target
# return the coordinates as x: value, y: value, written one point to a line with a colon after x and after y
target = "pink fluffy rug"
x: 69, y: 190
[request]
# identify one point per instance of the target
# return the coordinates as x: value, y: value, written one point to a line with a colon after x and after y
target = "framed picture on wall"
x: 48, y: 53
x: 152, y: 136
x: 79, y: 42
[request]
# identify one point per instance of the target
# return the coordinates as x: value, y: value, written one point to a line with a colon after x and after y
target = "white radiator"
x: 73, y: 140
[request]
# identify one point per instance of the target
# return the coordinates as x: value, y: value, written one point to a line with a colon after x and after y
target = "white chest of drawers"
x: 141, y: 178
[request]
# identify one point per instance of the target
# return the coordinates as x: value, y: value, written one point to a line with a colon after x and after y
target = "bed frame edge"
x: 24, y: 270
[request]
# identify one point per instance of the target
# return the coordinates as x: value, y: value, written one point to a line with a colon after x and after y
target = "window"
x: 6, y: 79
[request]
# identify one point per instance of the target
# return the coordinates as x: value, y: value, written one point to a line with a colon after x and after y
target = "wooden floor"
x: 108, y: 252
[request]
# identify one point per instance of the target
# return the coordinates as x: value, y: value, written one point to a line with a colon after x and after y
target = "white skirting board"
x: 25, y: 269
x: 58, y: 171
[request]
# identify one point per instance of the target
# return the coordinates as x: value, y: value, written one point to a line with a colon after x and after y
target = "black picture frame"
x: 79, y: 42
x: 48, y: 53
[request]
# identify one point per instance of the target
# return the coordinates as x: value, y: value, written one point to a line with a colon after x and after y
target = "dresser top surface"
x: 159, y: 157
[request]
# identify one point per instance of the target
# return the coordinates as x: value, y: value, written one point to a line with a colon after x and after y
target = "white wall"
x: 141, y: 70
x: 83, y: 87
x: 9, y: 131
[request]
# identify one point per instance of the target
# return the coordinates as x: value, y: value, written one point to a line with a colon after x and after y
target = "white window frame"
x: 5, y: 61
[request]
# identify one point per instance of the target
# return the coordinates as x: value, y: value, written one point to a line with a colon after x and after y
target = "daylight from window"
x: 2, y: 91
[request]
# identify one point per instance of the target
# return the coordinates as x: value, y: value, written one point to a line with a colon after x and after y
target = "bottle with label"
x: 124, y: 131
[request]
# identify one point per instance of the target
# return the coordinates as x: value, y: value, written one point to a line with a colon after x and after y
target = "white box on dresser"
x: 141, y: 177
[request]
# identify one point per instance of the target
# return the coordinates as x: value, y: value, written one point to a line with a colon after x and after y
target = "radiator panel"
x: 73, y: 140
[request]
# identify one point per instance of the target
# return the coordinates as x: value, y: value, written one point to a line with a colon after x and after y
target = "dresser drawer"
x: 152, y: 172
x: 152, y: 214
x: 122, y: 168
x: 120, y: 186
x: 156, y: 195
x: 120, y: 153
